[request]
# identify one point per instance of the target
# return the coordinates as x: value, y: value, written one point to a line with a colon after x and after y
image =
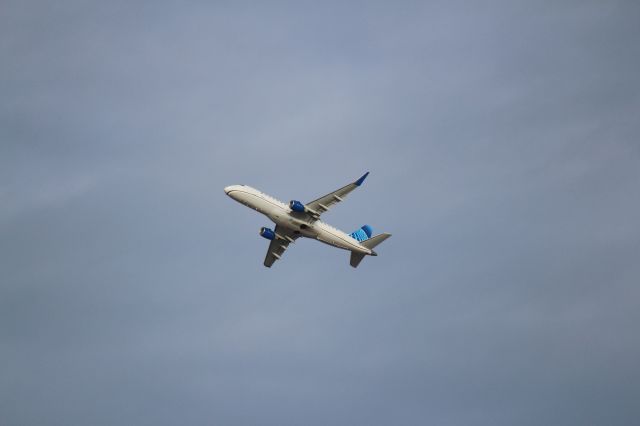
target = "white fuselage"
x: 300, y: 224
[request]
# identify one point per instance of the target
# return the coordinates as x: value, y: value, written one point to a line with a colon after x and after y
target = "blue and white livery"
x: 296, y: 219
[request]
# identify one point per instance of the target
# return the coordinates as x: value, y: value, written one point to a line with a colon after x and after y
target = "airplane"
x: 295, y: 220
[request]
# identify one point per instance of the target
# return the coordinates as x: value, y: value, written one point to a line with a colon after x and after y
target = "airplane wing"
x: 324, y: 203
x: 279, y: 245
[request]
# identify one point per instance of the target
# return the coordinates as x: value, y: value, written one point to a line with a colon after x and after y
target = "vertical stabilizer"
x: 362, y: 234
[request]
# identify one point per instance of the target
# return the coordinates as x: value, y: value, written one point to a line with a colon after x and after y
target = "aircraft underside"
x: 297, y: 220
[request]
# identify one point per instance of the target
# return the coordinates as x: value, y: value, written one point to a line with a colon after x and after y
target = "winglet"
x: 362, y: 178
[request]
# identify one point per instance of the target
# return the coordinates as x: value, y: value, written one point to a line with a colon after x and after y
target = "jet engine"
x: 297, y: 206
x: 267, y: 233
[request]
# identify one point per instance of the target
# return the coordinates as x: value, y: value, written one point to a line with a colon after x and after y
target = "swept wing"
x: 325, y: 202
x: 279, y: 245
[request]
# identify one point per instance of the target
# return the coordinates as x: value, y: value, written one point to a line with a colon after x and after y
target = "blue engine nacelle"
x: 267, y: 233
x: 296, y: 206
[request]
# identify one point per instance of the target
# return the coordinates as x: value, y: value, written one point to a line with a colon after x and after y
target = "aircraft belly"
x: 296, y: 220
x: 331, y: 239
x: 255, y: 202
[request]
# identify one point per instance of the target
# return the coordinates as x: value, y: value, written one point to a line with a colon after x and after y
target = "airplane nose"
x: 227, y: 189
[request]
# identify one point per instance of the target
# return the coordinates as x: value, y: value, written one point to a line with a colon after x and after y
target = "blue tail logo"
x: 362, y: 234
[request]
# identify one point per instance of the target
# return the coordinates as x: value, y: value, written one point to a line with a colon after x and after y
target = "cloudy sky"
x: 503, y: 143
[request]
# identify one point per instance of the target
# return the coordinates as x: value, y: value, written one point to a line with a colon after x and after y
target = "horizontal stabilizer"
x: 374, y: 241
x: 356, y: 258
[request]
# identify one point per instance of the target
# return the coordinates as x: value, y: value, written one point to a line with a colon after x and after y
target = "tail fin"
x: 362, y: 233
x: 357, y: 257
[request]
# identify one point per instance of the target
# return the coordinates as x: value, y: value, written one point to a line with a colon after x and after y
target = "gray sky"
x: 503, y: 144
